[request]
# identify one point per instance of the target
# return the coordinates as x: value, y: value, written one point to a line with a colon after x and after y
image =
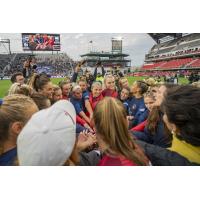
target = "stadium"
x: 173, y: 53
x: 99, y: 109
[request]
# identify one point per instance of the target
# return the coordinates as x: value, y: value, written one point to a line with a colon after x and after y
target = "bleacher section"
x: 195, y: 64
x: 179, y: 46
x: 59, y: 63
x: 179, y: 53
x: 176, y: 63
x: 173, y: 64
x: 153, y: 65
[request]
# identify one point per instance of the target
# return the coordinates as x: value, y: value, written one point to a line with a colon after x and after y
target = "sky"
x: 75, y: 44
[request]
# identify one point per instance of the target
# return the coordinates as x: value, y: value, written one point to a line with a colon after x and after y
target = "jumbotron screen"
x: 40, y: 42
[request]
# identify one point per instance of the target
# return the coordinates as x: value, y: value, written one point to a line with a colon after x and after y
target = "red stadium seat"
x: 176, y: 63
x: 196, y: 63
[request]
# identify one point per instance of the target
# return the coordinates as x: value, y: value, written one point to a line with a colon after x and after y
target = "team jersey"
x: 141, y: 116
x: 136, y: 105
x: 109, y: 93
x: 159, y: 138
x: 115, y: 161
x: 8, y: 158
x: 78, y: 105
x: 95, y: 100
x: 85, y: 97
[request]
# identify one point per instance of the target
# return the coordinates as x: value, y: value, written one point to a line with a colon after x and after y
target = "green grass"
x: 5, y: 84
x: 132, y: 79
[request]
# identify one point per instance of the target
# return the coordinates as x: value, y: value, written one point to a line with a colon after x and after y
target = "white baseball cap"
x: 49, y: 136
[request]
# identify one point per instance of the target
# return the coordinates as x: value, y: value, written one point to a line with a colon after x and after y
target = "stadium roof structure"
x: 158, y: 37
x: 105, y: 54
x: 107, y: 58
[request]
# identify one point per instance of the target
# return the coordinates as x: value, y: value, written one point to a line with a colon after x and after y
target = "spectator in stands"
x: 15, y: 111
x: 110, y: 88
x: 113, y: 138
x: 27, y: 71
x: 33, y: 64
x: 181, y: 108
x: 17, y: 78
x: 42, y: 84
x: 66, y: 89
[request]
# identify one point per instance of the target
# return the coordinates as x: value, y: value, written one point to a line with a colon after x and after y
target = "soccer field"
x: 5, y: 84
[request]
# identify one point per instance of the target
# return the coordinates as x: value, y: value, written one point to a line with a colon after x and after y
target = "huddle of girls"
x: 106, y: 126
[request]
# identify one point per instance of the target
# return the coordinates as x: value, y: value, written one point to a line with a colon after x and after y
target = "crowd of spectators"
x: 56, y: 64
x: 189, y: 44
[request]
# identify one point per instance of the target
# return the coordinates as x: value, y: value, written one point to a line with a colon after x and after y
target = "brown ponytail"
x: 38, y: 81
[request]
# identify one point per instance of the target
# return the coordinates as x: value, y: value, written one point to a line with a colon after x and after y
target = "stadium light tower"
x: 6, y: 41
x: 117, y: 44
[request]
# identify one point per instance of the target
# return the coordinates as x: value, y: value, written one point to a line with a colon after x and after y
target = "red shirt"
x: 94, y: 100
x: 115, y: 161
x: 109, y: 93
x: 140, y: 127
x: 65, y: 97
x: 80, y: 121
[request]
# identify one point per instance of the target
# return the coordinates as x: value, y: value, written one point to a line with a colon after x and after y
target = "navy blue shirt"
x: 158, y: 138
x: 8, y: 158
x: 85, y: 96
x: 136, y: 105
x: 140, y: 116
x: 78, y: 105
x: 126, y: 106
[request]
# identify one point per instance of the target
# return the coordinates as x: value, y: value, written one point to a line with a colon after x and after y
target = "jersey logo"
x: 134, y: 107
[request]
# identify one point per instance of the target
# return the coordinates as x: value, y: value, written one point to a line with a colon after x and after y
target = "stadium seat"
x: 176, y: 63
x: 196, y: 63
